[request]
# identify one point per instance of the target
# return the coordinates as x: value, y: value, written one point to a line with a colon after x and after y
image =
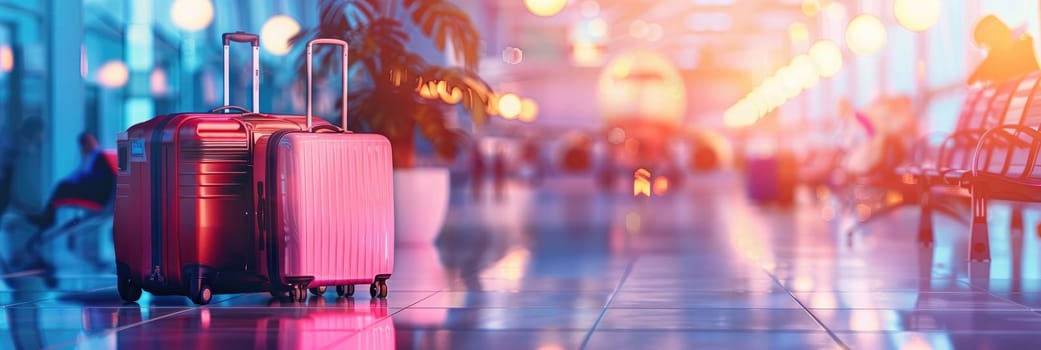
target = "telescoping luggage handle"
x: 310, y: 83
x: 254, y: 40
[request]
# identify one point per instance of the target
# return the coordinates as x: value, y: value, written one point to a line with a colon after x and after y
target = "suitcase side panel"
x: 337, y: 210
x: 213, y: 202
x: 186, y: 180
x: 135, y: 209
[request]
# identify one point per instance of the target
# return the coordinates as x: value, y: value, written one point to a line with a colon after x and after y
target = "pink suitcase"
x: 325, y: 205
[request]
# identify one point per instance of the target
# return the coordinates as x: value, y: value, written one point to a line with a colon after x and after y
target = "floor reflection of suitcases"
x: 184, y: 199
x: 351, y: 327
x: 328, y: 205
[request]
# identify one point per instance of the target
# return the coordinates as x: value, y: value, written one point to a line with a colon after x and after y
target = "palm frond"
x: 443, y: 21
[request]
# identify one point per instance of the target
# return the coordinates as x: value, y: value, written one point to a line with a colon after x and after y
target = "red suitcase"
x: 184, y: 202
x: 329, y: 217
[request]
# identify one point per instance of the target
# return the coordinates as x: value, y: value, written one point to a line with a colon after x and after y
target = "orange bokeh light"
x: 660, y: 186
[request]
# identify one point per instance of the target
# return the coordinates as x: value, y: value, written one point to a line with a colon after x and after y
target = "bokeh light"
x: 529, y: 110
x: 660, y: 185
x: 596, y: 28
x: 512, y: 55
x: 798, y: 33
x: 791, y: 80
x: 586, y: 54
x: 642, y: 84
x: 827, y: 57
x: 545, y: 8
x: 6, y: 59
x: 191, y: 15
x: 865, y: 35
x: 811, y: 7
x: 806, y: 71
x: 917, y: 15
x: 835, y: 11
x: 159, y: 84
x: 113, y: 74
x: 275, y: 34
x: 510, y: 106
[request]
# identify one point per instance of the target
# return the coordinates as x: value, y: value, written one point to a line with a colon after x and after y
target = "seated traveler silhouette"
x: 1009, y: 54
x: 91, y: 186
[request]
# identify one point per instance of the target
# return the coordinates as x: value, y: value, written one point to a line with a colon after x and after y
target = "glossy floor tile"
x: 565, y: 266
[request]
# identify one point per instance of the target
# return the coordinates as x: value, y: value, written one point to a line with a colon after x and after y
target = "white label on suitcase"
x: 137, y: 150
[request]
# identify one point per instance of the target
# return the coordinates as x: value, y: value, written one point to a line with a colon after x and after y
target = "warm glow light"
x: 917, y: 15
x: 596, y: 28
x: 642, y: 84
x: 452, y: 97
x: 493, y: 104
x: 798, y: 33
x: 791, y: 80
x: 529, y: 110
x: 865, y: 35
x: 442, y: 88
x: 509, y: 106
x: 835, y: 11
x: 805, y: 71
x: 586, y: 54
x: 191, y: 15
x: 774, y: 92
x: 741, y: 115
x: 113, y: 75
x: 660, y: 186
x: 158, y: 82
x: 545, y: 8
x: 6, y: 59
x: 275, y: 34
x: 827, y: 57
x: 426, y: 92
x: 811, y: 7
x: 642, y: 183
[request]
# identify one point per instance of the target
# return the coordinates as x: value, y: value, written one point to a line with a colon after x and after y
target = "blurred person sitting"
x: 1009, y: 53
x: 91, y: 186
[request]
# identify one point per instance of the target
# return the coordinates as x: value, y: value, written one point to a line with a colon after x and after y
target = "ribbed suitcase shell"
x: 333, y: 209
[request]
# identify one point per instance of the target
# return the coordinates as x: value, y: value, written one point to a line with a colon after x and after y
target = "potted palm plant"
x: 402, y: 88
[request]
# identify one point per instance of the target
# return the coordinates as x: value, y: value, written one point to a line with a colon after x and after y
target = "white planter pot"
x: 420, y: 203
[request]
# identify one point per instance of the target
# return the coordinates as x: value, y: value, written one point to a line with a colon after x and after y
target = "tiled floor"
x: 566, y: 267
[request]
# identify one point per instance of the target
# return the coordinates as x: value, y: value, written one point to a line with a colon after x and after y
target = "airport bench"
x: 940, y: 173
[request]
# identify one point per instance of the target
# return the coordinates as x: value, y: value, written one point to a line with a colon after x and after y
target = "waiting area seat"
x: 991, y: 155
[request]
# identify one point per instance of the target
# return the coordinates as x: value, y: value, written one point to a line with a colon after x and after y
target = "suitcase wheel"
x: 201, y: 294
x: 345, y: 291
x: 318, y: 291
x: 378, y: 289
x: 298, y: 293
x: 128, y: 290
